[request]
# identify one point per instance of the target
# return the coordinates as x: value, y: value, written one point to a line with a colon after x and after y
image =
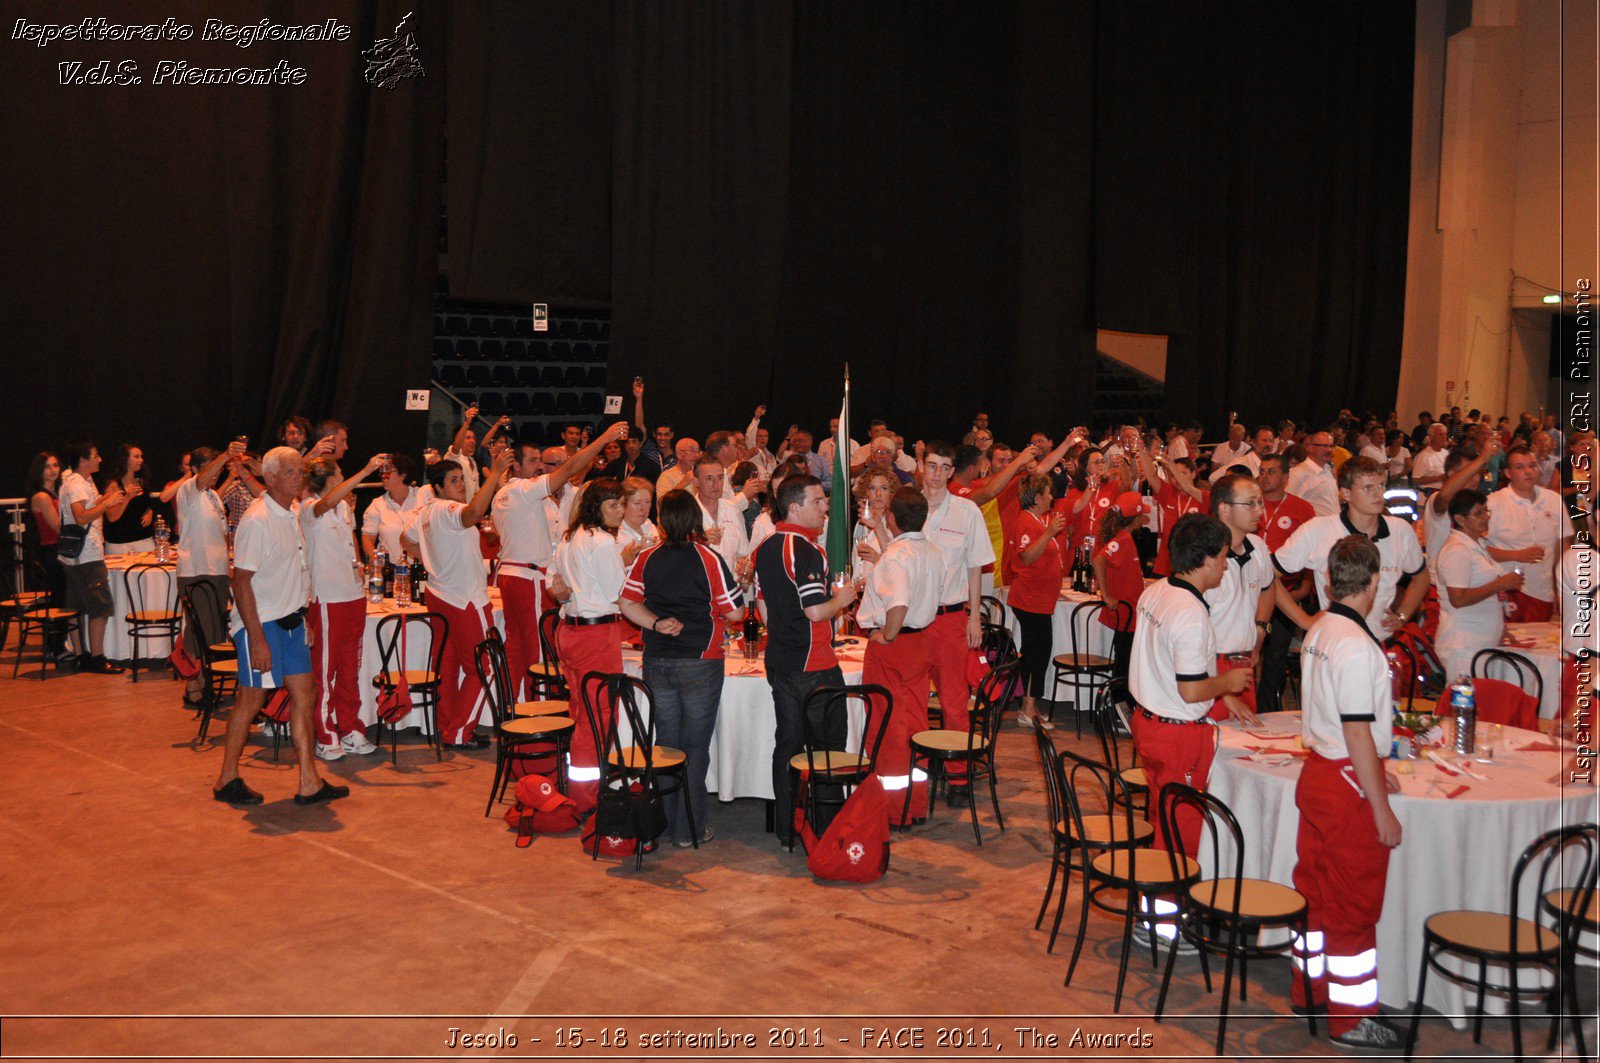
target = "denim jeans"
x: 789, y: 691
x: 685, y: 695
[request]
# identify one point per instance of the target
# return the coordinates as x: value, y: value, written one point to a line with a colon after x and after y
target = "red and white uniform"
x: 338, y: 619
x: 958, y: 530
x: 1342, y: 870
x: 458, y: 590
x: 1035, y: 588
x: 1465, y: 564
x: 522, y: 520
x: 1124, y: 581
x: 1399, y: 554
x: 908, y: 574
x: 589, y: 640
x: 1234, y: 603
x: 1172, y: 503
x: 1085, y: 524
x: 1173, y: 642
x: 1515, y: 523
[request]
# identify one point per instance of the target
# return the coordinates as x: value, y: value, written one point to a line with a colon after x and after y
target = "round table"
x: 415, y: 654
x: 1541, y: 644
x: 159, y: 590
x: 1456, y: 852
x: 746, y: 730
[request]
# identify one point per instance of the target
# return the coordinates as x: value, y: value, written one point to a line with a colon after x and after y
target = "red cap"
x: 1129, y: 502
x: 539, y: 793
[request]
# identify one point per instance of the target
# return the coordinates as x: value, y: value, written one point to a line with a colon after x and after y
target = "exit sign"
x: 1449, y: 385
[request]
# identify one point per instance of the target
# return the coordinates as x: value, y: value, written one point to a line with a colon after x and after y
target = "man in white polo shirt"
x: 1361, y: 486
x: 1529, y: 528
x: 88, y: 590
x: 1346, y: 825
x: 681, y: 474
x: 959, y: 530
x: 724, y: 526
x: 1313, y: 480
x: 896, y: 610
x: 522, y: 521
x: 1427, y: 470
x: 271, y: 593
x: 1241, y: 605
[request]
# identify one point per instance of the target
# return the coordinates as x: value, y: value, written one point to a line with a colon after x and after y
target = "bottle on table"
x: 380, y: 561
x: 1464, y: 710
x: 163, y: 540
x: 402, y: 581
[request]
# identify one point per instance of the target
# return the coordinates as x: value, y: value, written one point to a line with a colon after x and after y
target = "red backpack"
x: 540, y: 809
x: 855, y: 847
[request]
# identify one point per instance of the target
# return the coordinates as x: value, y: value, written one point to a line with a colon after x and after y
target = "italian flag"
x: 840, y: 515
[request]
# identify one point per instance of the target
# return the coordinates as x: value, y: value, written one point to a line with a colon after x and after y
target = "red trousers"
x: 1526, y: 610
x: 947, y: 639
x: 521, y: 602
x: 902, y: 667
x: 337, y: 629
x: 1219, y: 711
x: 1175, y: 752
x: 585, y: 649
x: 460, y: 689
x: 1342, y: 872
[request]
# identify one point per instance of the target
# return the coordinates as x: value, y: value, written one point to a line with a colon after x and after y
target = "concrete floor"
x: 377, y: 924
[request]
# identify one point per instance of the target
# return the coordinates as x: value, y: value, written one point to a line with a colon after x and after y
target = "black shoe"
x: 1302, y: 1010
x: 329, y: 792
x: 470, y: 744
x: 237, y: 794
x: 98, y: 665
x: 1372, y: 1031
x: 958, y: 796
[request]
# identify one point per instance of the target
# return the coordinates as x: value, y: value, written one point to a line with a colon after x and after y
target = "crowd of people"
x: 1338, y: 535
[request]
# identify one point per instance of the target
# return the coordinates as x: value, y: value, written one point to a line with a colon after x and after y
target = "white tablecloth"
x: 118, y: 647
x: 1544, y: 650
x: 1093, y: 636
x: 415, y: 653
x: 746, y: 731
x: 1454, y: 853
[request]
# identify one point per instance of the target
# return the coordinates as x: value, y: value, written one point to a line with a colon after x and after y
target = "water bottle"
x: 1464, y: 708
x: 402, y: 581
x: 375, y: 578
x: 163, y: 540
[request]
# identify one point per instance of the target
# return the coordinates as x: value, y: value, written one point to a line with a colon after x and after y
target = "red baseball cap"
x: 1129, y: 502
x: 539, y: 793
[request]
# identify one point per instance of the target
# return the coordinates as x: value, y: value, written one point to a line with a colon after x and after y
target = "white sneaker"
x: 333, y: 752
x: 1141, y: 938
x: 356, y: 742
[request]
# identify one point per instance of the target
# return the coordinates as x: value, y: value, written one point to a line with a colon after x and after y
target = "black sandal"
x: 329, y: 792
x: 236, y: 793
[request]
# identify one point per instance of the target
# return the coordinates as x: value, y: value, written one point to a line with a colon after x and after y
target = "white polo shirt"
x: 203, y: 531
x: 1397, y: 463
x: 522, y: 520
x: 1430, y: 462
x: 452, y: 554
x: 1248, y: 458
x: 1465, y: 564
x: 591, y: 565
x: 906, y: 574
x: 1315, y: 484
x: 385, y: 519
x: 956, y: 526
x: 1516, y: 522
x: 331, y: 545
x: 672, y: 480
x: 1435, y: 531
x: 735, y: 544
x: 1234, y: 601
x: 1399, y: 554
x: 76, y: 488
x: 626, y: 535
x: 269, y: 543
x: 1173, y: 641
x: 1376, y: 453
x: 1224, y: 454
x: 1579, y: 579
x: 1344, y: 679
x: 558, y: 514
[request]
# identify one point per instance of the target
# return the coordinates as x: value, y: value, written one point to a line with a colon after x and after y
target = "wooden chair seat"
x: 1109, y: 830
x: 536, y: 726
x: 1561, y: 902
x: 1082, y: 660
x: 833, y: 762
x: 223, y: 649
x: 1490, y: 933
x: 948, y: 741
x: 542, y: 708
x: 25, y: 599
x: 153, y: 616
x: 1258, y: 898
x: 1136, y: 778
x: 662, y: 757
x: 1142, y: 867
x: 227, y: 667
x: 52, y: 614
x: 416, y: 677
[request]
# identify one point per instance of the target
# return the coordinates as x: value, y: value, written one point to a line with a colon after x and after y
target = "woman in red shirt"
x: 1119, y: 576
x: 1035, y: 585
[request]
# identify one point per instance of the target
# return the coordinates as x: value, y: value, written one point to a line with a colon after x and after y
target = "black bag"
x: 70, y: 544
x: 630, y: 813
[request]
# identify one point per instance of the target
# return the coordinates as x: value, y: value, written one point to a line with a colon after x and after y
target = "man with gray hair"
x: 271, y: 593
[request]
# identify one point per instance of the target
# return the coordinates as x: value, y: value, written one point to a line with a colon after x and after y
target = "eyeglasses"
x: 1254, y: 503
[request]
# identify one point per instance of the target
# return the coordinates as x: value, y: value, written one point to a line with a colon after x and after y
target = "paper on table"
x: 1539, y: 747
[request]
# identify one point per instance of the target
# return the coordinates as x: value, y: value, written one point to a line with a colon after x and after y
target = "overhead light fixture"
x: 1552, y: 299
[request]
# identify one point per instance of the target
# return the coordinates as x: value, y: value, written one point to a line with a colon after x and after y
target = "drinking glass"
x: 1488, y: 741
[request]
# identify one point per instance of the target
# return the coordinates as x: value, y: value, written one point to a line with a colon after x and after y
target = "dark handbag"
x: 70, y: 544
x: 630, y: 813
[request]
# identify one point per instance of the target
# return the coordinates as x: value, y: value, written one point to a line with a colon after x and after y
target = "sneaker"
x: 704, y: 838
x: 1026, y: 720
x: 1371, y: 1032
x: 333, y: 752
x: 1141, y: 937
x: 357, y: 743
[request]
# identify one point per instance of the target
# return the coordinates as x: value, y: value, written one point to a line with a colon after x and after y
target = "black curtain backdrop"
x: 1252, y: 169
x: 183, y: 264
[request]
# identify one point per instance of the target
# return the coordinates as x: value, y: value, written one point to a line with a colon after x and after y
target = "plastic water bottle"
x: 402, y: 581
x: 375, y: 578
x: 1464, y: 708
x: 163, y: 540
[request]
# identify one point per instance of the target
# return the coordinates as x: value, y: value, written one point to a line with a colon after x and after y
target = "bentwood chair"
x: 1224, y: 914
x: 973, y: 747
x: 547, y: 680
x: 1114, y: 710
x: 631, y: 775
x: 1566, y: 855
x: 824, y: 767
x: 1061, y: 837
x: 31, y: 613
x: 398, y: 686
x: 1526, y: 672
x: 536, y: 742
x: 219, y: 671
x: 1085, y: 671
x: 149, y: 588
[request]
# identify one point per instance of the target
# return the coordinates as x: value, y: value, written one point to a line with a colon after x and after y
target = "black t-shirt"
x: 688, y: 582
x: 792, y: 575
x: 130, y: 527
